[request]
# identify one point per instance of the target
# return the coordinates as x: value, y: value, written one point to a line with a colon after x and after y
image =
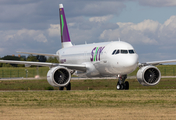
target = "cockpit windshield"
x: 113, y: 52
x: 117, y: 52
x: 131, y: 51
x: 123, y: 52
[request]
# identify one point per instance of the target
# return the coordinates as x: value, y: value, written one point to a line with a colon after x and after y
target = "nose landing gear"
x: 122, y: 84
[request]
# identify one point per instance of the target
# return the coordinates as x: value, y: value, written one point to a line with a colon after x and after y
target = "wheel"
x: 126, y: 85
x: 120, y: 86
x: 61, y: 88
x: 68, y: 87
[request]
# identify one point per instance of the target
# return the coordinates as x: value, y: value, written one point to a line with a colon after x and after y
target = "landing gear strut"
x: 122, y: 84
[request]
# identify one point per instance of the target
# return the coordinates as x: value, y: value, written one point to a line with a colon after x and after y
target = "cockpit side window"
x: 124, y: 51
x: 131, y: 51
x: 117, y: 52
x: 113, y: 52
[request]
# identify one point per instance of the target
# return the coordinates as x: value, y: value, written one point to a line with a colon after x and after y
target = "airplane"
x: 105, y: 59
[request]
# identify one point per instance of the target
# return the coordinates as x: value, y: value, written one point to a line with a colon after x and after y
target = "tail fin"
x: 65, y: 38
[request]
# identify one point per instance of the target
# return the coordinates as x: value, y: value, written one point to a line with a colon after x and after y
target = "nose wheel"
x: 122, y: 84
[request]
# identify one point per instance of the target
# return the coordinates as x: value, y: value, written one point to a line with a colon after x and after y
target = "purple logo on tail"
x: 63, y: 26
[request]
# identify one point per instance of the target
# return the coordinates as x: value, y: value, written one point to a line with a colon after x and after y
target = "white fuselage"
x: 101, y: 59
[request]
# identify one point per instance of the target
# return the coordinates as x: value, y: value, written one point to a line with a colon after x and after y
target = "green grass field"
x: 106, y: 98
x: 87, y: 84
x: 17, y: 72
x: 88, y: 99
x: 88, y: 105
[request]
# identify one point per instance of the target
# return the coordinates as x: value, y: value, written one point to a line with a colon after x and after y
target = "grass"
x: 16, y: 72
x: 99, y: 84
x: 89, y: 99
x: 101, y: 104
x: 77, y: 99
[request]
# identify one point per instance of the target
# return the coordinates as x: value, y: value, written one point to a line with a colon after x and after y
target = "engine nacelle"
x: 148, y: 75
x: 58, y: 76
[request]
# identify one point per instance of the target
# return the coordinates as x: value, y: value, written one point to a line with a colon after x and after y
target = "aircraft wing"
x: 52, y: 55
x: 156, y: 62
x: 80, y: 67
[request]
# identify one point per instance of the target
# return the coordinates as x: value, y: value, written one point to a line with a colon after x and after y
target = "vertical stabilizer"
x: 65, y: 38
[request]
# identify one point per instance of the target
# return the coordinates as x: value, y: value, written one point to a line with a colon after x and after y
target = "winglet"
x: 65, y: 38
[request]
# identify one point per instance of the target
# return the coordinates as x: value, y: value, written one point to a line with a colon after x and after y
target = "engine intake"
x: 148, y: 75
x: 58, y: 76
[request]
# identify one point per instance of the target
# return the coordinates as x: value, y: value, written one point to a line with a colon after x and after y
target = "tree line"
x: 38, y: 58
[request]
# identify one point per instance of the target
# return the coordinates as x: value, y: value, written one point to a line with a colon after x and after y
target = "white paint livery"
x: 95, y: 60
x: 104, y: 63
x: 61, y: 6
x: 66, y: 44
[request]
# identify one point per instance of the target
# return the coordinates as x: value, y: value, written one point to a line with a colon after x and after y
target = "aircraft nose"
x: 131, y: 62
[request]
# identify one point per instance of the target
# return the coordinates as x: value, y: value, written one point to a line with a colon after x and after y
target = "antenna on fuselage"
x: 119, y: 39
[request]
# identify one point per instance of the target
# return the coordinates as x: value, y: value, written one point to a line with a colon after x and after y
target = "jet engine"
x: 148, y: 75
x: 58, y: 76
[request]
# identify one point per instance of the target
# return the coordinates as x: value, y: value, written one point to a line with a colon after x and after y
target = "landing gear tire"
x: 68, y: 87
x: 61, y: 88
x: 126, y: 85
x: 120, y: 86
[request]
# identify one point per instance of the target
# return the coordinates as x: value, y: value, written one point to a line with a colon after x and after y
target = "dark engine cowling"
x: 58, y: 76
x: 148, y: 75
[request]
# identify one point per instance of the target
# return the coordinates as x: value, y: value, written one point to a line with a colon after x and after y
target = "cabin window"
x: 124, y: 51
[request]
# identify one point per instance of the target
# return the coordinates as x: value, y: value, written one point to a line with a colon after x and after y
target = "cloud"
x: 1, y: 49
x: 40, y: 38
x: 4, y: 2
x: 21, y: 35
x: 82, y: 29
x: 157, y: 3
x: 95, y: 8
x: 130, y: 32
x: 54, y: 30
x: 11, y: 40
x: 151, y: 39
x: 32, y: 25
x: 100, y: 19
x: 167, y: 31
x: 146, y: 32
x: 38, y: 15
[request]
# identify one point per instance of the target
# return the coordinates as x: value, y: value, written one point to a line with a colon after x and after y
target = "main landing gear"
x: 68, y: 87
x: 122, y: 84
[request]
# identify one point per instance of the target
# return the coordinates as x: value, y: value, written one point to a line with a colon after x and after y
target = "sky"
x: 33, y: 25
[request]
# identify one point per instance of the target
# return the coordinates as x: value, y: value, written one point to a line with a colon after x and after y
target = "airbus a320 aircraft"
x: 104, y: 59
